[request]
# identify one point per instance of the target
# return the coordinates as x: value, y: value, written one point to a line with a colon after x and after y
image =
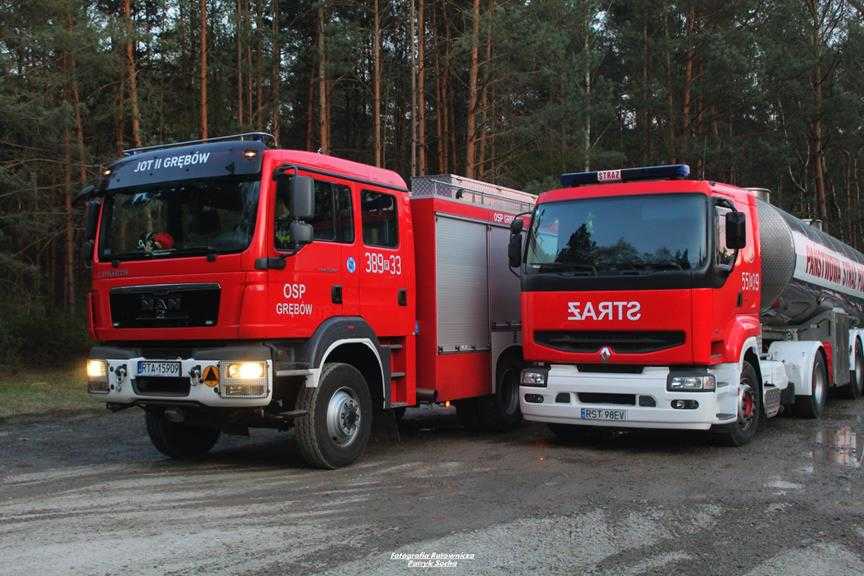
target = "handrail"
x: 259, y: 136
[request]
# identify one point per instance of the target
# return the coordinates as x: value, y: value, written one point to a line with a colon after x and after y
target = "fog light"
x: 534, y: 398
x: 535, y: 377
x: 97, y: 369
x: 691, y: 383
x: 244, y: 380
x: 246, y: 370
x: 97, y: 377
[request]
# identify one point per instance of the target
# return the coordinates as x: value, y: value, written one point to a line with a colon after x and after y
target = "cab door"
x: 310, y: 288
x: 385, y: 265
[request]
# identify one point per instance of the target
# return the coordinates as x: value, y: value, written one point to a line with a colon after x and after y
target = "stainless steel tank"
x: 792, y: 291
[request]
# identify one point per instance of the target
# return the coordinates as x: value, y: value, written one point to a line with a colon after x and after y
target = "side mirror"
x: 85, y: 193
x: 736, y: 230
x: 302, y: 194
x: 91, y: 218
x: 514, y: 248
x: 301, y: 233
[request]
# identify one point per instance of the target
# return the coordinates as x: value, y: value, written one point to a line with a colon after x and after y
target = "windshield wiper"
x: 636, y: 266
x: 567, y: 268
x: 206, y: 250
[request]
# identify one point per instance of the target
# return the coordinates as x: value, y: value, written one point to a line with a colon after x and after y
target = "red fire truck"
x: 237, y: 286
x: 651, y: 300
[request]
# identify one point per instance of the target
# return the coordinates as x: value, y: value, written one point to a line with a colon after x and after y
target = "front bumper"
x: 193, y: 385
x: 562, y: 404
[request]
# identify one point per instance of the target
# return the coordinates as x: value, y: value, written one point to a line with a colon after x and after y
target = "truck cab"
x: 641, y: 303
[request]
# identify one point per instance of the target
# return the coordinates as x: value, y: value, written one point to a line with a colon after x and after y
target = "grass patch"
x: 32, y: 392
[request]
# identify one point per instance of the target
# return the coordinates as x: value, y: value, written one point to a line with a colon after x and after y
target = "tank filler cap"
x: 815, y: 223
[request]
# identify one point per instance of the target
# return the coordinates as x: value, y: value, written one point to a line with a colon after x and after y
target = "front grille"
x: 600, y: 398
x: 621, y: 342
x: 611, y: 368
x: 159, y: 386
x: 165, y: 306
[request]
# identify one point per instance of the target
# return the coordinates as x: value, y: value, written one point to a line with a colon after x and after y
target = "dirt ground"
x: 89, y: 495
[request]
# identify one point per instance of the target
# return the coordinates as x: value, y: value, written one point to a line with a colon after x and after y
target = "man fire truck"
x: 239, y: 286
x: 650, y: 300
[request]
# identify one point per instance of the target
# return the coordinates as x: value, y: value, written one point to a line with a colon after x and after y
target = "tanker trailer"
x: 812, y: 292
x: 653, y: 300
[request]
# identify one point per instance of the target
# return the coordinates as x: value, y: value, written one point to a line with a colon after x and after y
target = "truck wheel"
x: 812, y: 406
x: 338, y: 420
x: 855, y: 388
x: 178, y: 440
x: 467, y: 413
x: 743, y: 430
x: 500, y: 411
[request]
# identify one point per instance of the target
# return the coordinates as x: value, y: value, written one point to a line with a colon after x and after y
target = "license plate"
x: 611, y: 414
x: 164, y: 369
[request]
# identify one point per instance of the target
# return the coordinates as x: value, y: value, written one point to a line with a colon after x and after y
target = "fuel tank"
x: 805, y: 271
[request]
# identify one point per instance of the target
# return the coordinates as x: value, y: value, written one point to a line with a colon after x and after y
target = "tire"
x: 571, y: 433
x: 500, y: 411
x: 467, y: 413
x: 855, y: 388
x: 750, y: 412
x: 178, y: 440
x: 335, y: 430
x: 813, y: 405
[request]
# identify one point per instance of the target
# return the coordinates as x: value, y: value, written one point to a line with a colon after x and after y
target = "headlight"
x: 246, y: 370
x: 97, y: 369
x: 535, y: 377
x: 691, y: 383
x: 97, y: 376
x: 244, y: 380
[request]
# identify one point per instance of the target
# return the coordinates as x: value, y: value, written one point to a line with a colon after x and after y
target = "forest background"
x: 765, y: 93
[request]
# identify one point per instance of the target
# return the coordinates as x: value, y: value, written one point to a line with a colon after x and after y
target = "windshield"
x: 619, y: 235
x: 179, y: 218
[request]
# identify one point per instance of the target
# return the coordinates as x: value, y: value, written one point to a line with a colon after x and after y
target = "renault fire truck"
x: 652, y: 300
x: 237, y: 285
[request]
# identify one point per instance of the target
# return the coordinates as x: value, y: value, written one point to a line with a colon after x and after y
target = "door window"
x: 333, y: 220
x: 380, y: 227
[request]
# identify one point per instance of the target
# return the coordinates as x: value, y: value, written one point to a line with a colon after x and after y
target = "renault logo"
x: 605, y: 354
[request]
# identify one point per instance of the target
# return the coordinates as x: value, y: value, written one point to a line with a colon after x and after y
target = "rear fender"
x: 798, y: 357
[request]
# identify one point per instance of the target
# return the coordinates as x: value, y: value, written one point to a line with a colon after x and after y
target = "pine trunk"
x: 277, y: 77
x: 239, y: 39
x: 69, y: 227
x: 323, y: 103
x: 377, y: 144
x: 471, y: 120
x: 131, y: 74
x: 202, y: 77
x: 421, y: 86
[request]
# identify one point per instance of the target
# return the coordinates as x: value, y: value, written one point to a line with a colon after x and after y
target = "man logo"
x: 605, y: 354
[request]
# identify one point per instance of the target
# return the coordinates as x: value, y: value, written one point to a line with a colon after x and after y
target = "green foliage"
x: 34, y: 335
x: 737, y: 89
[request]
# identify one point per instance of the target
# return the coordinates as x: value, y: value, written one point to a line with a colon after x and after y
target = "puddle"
x: 842, y: 446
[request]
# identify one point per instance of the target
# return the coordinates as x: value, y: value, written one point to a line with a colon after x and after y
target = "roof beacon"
x: 669, y: 172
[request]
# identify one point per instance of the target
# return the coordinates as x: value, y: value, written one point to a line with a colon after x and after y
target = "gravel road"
x: 89, y: 495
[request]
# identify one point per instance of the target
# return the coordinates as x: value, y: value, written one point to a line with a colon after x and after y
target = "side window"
x: 333, y: 221
x: 724, y: 256
x: 379, y: 219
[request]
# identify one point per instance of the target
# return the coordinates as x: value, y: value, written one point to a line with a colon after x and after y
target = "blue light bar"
x: 669, y: 172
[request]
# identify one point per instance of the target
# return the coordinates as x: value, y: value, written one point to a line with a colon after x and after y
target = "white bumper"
x: 562, y: 404
x: 123, y: 390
